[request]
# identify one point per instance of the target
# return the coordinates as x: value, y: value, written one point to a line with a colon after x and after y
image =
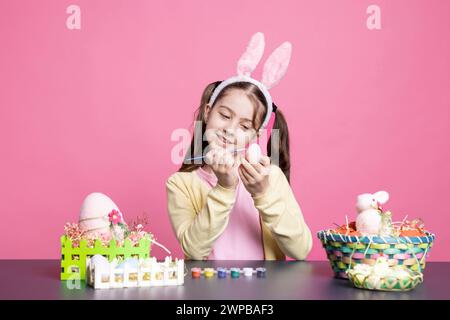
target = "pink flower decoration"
x: 73, y: 232
x: 115, y: 217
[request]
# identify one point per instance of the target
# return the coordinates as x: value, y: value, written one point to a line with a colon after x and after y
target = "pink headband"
x: 274, y: 69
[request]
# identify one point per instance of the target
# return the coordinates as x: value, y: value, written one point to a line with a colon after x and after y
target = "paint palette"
x: 222, y: 273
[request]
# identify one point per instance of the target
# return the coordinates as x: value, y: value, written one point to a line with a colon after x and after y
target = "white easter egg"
x: 253, y: 153
x: 368, y: 222
x: 94, y: 213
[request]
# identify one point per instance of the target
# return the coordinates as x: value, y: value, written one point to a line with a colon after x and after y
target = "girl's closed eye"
x: 246, y: 125
x: 225, y: 116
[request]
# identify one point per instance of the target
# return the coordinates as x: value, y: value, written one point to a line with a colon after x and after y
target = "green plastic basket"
x: 73, y: 259
x: 343, y: 251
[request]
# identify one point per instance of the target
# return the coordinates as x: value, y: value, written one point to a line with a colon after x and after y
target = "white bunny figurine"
x: 368, y: 206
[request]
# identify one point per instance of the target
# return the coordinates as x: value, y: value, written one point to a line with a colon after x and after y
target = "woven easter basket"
x: 344, y: 252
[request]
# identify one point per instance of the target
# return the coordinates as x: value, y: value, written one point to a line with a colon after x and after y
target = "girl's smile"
x: 223, y: 141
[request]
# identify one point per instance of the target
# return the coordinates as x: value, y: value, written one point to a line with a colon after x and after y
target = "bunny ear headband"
x: 274, y: 69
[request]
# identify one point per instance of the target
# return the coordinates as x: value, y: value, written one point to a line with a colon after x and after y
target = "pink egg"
x: 94, y: 213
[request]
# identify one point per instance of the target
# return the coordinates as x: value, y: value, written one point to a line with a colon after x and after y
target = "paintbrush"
x: 202, y: 157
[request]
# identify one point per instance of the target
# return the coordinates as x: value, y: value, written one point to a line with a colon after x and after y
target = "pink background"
x: 93, y: 109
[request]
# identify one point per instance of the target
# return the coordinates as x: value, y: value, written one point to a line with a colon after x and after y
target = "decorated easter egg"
x: 253, y: 153
x: 94, y: 213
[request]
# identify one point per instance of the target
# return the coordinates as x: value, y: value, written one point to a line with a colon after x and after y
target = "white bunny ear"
x: 252, y: 55
x: 276, y: 65
x: 381, y: 196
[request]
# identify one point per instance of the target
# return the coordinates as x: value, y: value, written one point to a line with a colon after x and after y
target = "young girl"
x: 222, y: 206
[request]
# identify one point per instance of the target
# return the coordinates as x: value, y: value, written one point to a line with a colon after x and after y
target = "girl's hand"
x: 255, y: 177
x: 224, y: 164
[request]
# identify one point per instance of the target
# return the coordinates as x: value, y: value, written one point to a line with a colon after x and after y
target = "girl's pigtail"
x: 196, y: 149
x: 282, y: 148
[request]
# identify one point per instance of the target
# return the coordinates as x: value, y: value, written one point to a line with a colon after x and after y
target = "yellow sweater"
x: 199, y: 214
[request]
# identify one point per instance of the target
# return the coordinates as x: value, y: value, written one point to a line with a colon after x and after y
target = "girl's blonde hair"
x: 256, y: 96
